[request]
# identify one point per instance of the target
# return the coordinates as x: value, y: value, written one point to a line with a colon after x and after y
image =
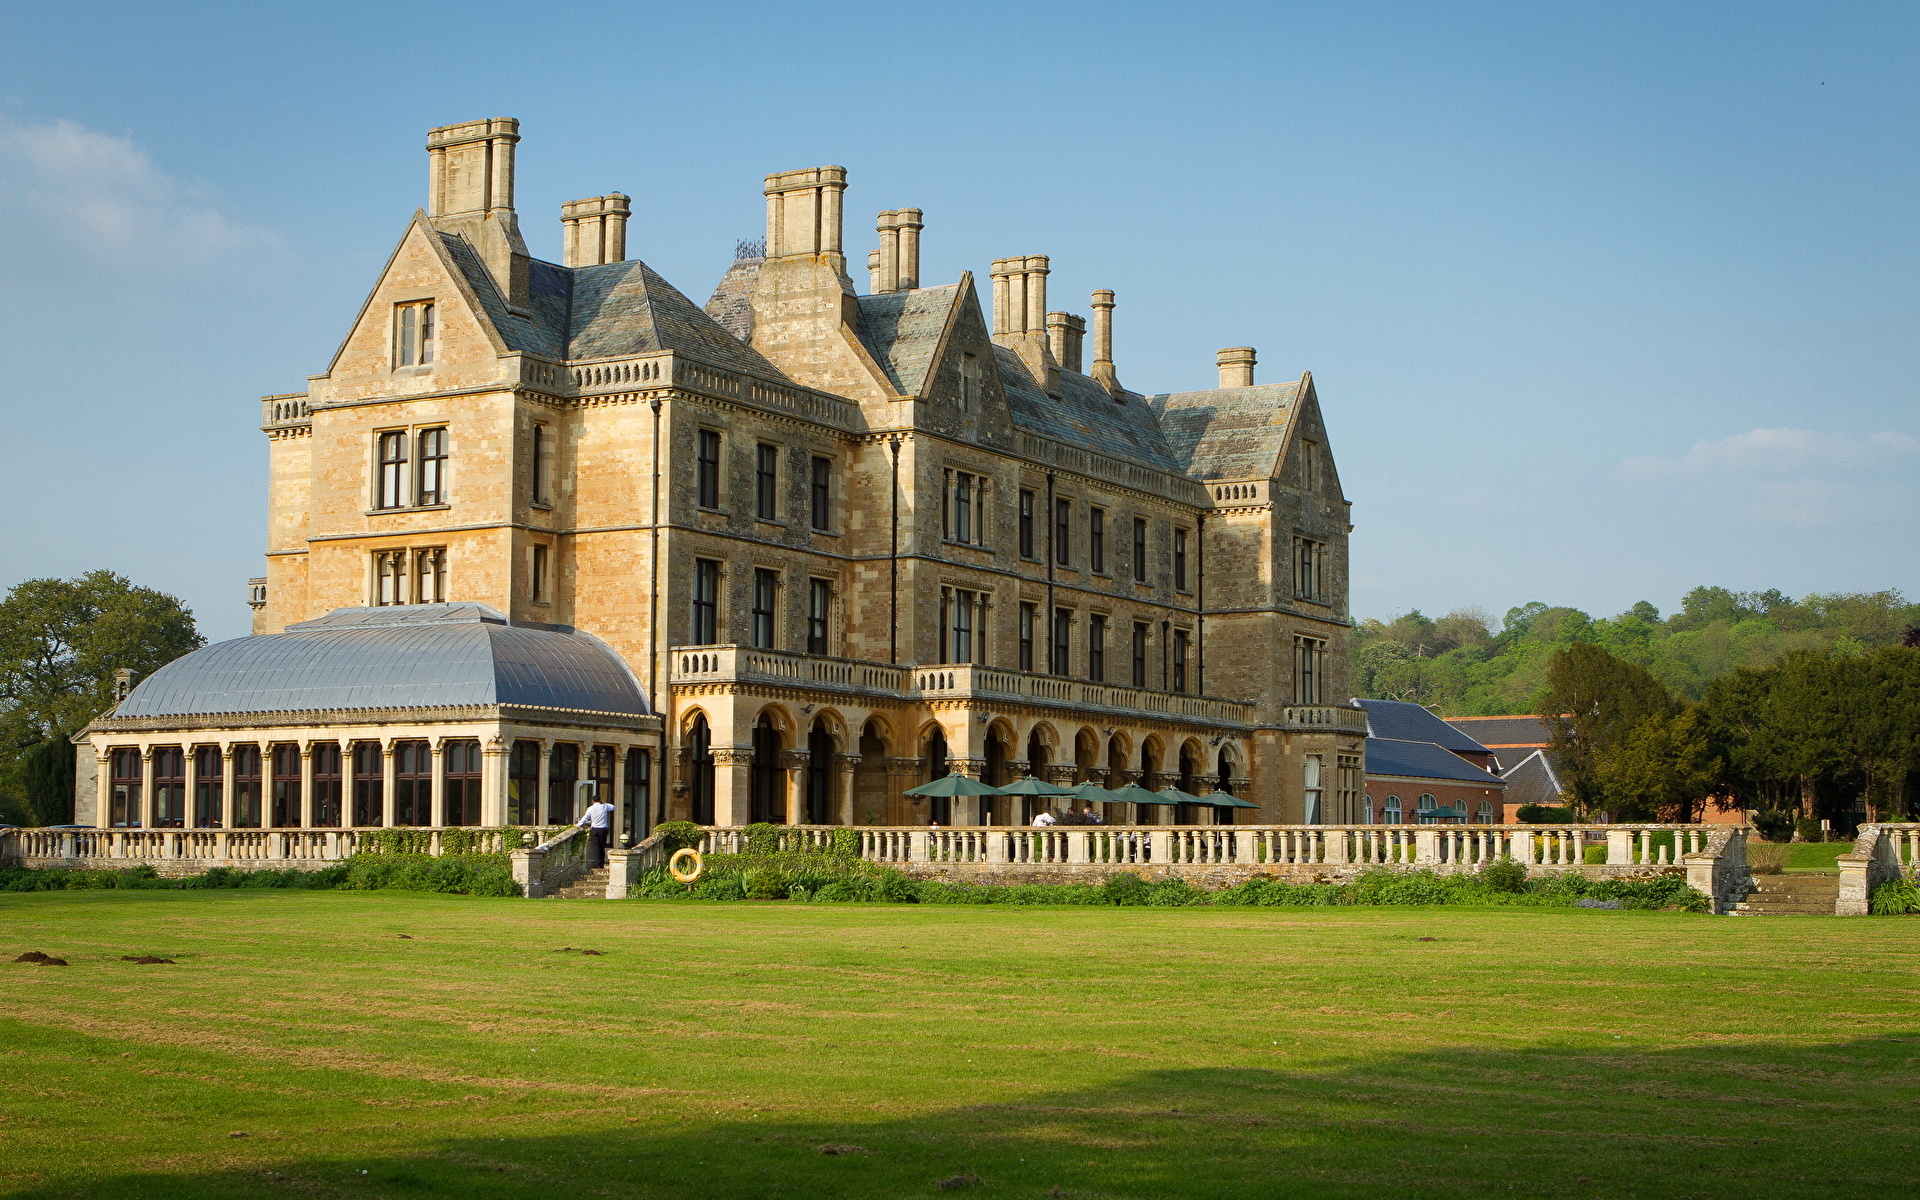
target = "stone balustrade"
x: 190, y: 851
x: 1882, y: 853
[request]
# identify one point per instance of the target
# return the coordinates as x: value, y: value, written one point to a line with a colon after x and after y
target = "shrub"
x: 1595, y: 856
x: 1125, y: 888
x: 1809, y: 830
x: 1767, y: 858
x: 1895, y: 898
x: 1774, y: 826
x: 465, y: 874
x: 765, y: 883
x: 1542, y: 814
x: 678, y: 835
x: 1504, y: 875
x: 845, y: 843
x: 764, y: 837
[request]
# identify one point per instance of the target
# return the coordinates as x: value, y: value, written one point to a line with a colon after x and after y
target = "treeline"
x: 1820, y: 734
x: 61, y: 640
x: 1464, y: 665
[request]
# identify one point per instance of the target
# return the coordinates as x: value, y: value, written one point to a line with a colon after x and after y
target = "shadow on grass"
x: 1733, y: 1120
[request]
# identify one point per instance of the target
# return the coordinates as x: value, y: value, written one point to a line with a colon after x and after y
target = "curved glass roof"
x: 413, y: 656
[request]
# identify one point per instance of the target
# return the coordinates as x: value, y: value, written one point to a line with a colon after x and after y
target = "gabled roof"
x: 1503, y: 731
x: 411, y: 656
x: 1085, y: 415
x: 1422, y: 760
x: 1227, y: 433
x: 1412, y: 722
x: 902, y: 331
x: 1532, y: 781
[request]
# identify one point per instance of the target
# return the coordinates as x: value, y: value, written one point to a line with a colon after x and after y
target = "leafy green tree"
x: 1590, y: 704
x: 61, y: 640
x: 1663, y: 769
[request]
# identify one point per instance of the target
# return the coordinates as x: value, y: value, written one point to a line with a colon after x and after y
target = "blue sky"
x: 1602, y: 301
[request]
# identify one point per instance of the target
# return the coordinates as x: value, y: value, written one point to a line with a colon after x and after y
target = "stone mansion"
x: 774, y: 559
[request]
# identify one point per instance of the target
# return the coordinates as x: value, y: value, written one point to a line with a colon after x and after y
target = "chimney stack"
x: 594, y: 230
x: 803, y: 211
x: 1103, y: 372
x: 888, y: 280
x: 907, y: 221
x: 873, y: 272
x: 1064, y: 334
x: 470, y: 195
x: 1236, y: 366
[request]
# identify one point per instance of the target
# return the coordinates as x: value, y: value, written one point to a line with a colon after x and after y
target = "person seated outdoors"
x: 1044, y: 818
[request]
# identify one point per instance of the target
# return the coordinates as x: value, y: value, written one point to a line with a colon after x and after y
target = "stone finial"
x: 804, y: 211
x: 594, y: 230
x: 1236, y: 366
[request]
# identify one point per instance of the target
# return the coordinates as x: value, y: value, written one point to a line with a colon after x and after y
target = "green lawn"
x: 1816, y: 856
x: 1073, y: 1052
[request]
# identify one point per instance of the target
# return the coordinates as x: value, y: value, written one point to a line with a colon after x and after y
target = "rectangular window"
x: 1097, y: 541
x: 460, y: 803
x: 246, y: 787
x: 963, y: 495
x: 707, y: 480
x: 125, y: 802
x: 1063, y: 531
x: 637, y: 804
x: 822, y: 494
x: 1180, y: 643
x: 412, y: 783
x: 1139, y: 654
x: 766, y: 586
x: 327, y: 785
x: 563, y: 774
x: 414, y: 334
x: 369, y: 784
x: 286, y: 786
x: 540, y: 587
x: 1311, y: 815
x: 963, y: 614
x: 1097, y: 648
x: 542, y: 465
x: 169, y: 787
x: 1061, y: 651
x: 1309, y: 656
x: 1180, y: 560
x: 1028, y: 615
x: 766, y: 482
x: 1310, y: 466
x: 819, y: 611
x: 1026, y: 524
x: 207, y: 788
x: 523, y: 783
x: 391, y: 489
x: 433, y: 467
x: 1140, y: 549
x: 1306, y: 568
x: 706, y: 602
x: 430, y: 576
x: 389, y: 577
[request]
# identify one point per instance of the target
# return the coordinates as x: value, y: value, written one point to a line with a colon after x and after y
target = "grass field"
x: 1077, y: 1052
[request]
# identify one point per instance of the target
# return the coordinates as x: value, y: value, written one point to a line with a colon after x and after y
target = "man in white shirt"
x: 1045, y: 817
x: 599, y: 825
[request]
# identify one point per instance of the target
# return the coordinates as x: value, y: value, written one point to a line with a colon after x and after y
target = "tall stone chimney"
x: 1064, y: 334
x: 1103, y: 372
x: 907, y: 221
x: 889, y: 278
x: 594, y: 230
x: 1020, y: 315
x: 470, y: 194
x: 803, y: 212
x: 1236, y: 366
x: 874, y: 273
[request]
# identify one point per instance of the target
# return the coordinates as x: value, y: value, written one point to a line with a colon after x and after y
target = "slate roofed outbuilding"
x: 1421, y: 760
x: 1532, y: 781
x: 1402, y: 720
x: 1226, y: 433
x: 1503, y: 731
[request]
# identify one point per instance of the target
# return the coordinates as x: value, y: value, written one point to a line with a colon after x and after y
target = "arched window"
x: 819, y: 777
x: 940, y: 808
x: 1426, y: 805
x: 700, y: 764
x: 1366, y: 810
x: 1486, y: 812
x: 1392, y: 815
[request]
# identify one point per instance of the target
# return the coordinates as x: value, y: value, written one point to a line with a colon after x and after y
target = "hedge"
x: 465, y: 874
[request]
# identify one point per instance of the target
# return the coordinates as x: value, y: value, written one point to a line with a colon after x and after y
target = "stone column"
x: 901, y: 773
x: 192, y: 767
x: 303, y: 812
x: 540, y: 784
x: 966, y: 809
x: 617, y: 830
x: 493, y: 782
x: 732, y: 785
x: 103, y: 789
x: 793, y: 764
x: 386, y: 780
x: 436, y: 812
x: 226, y: 791
x: 144, y: 818
x: 848, y: 766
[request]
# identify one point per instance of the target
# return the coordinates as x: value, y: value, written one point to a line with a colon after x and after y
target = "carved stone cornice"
x: 523, y: 714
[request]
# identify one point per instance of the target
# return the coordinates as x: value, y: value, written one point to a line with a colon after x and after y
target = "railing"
x: 289, y: 411
x: 1326, y: 718
x: 729, y: 663
x: 253, y: 848
x: 669, y: 370
x: 1882, y: 853
x: 553, y: 864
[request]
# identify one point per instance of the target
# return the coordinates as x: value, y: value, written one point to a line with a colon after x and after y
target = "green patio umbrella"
x: 954, y: 785
x: 1133, y: 793
x: 1175, y: 796
x: 1093, y: 793
x: 1226, y: 800
x: 1030, y: 786
x: 1444, y: 813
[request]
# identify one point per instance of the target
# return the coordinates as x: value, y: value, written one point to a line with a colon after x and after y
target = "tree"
x: 1663, y: 769
x: 1591, y: 702
x: 61, y: 640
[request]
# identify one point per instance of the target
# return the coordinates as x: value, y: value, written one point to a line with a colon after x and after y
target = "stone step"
x: 1791, y: 896
x: 590, y: 886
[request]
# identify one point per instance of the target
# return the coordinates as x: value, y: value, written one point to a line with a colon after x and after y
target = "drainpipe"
x: 1200, y: 603
x: 1046, y: 620
x: 653, y: 623
x: 893, y: 561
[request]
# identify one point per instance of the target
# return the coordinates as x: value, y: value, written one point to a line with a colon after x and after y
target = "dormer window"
x: 413, y: 334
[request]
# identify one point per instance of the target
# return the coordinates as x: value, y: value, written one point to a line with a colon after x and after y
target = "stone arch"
x: 689, y: 716
x: 936, y: 753
x: 871, y: 798
x: 698, y: 740
x: 766, y: 773
x: 1086, y: 751
x: 780, y: 719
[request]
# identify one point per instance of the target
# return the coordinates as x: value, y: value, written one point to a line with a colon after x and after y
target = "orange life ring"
x: 673, y: 865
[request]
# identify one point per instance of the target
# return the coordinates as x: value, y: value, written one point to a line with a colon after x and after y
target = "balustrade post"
x: 1160, y: 847
x: 623, y: 871
x: 1426, y: 846
x: 1077, y: 845
x: 529, y: 870
x: 919, y: 846
x: 1619, y: 848
x: 1336, y: 843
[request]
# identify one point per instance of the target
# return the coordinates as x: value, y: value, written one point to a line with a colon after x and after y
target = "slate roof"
x: 1085, y: 414
x: 412, y: 656
x: 1532, y: 781
x: 603, y: 311
x: 902, y: 330
x: 1503, y: 731
x: 1412, y: 722
x: 732, y: 302
x: 1422, y: 760
x: 1226, y: 433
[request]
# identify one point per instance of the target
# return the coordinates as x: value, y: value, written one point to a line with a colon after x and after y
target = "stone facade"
x: 833, y: 534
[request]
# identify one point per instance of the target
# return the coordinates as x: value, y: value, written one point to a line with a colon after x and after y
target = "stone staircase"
x: 593, y: 886
x: 1793, y: 895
